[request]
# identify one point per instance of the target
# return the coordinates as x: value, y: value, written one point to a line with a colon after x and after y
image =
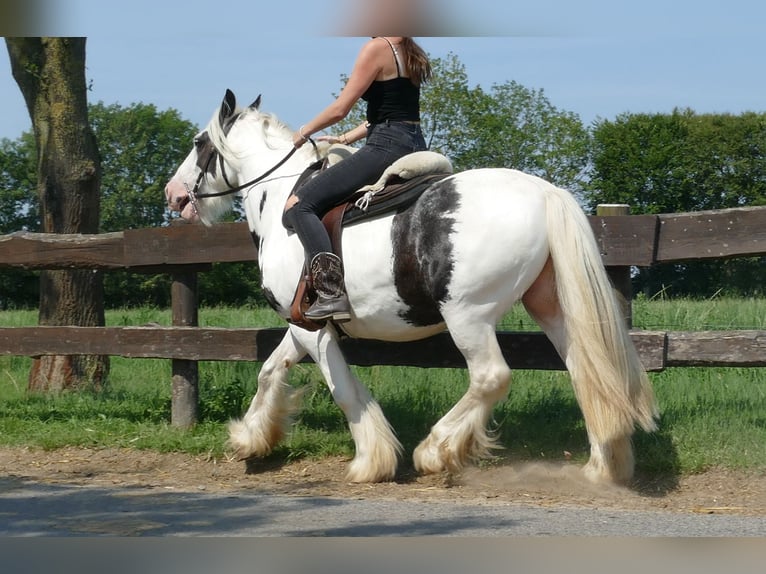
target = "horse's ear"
x: 228, y: 106
x: 256, y: 104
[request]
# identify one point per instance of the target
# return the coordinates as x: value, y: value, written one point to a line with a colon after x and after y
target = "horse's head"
x: 192, y: 189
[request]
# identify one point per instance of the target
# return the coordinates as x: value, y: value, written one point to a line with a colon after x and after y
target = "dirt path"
x: 713, y: 492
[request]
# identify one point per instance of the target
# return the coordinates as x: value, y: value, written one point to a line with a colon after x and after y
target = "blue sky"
x: 596, y: 58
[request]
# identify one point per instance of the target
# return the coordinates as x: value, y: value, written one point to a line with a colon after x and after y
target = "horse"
x: 470, y: 247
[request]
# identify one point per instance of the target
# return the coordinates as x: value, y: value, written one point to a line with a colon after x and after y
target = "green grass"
x: 711, y: 417
x: 715, y: 314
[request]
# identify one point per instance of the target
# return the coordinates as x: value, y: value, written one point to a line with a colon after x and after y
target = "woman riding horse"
x: 457, y: 258
x: 387, y: 74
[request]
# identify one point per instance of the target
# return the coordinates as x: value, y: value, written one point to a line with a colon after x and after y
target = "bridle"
x: 195, y: 195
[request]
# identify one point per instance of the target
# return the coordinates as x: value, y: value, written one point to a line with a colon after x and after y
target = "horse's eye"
x: 196, y: 142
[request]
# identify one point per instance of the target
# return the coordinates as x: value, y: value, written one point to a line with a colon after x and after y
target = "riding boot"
x: 332, y: 303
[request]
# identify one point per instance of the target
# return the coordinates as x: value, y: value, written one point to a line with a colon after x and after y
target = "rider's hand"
x: 328, y: 139
x: 298, y: 140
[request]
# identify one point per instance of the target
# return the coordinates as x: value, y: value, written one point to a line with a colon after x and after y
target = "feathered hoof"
x: 611, y: 465
x: 243, y: 443
x: 430, y: 458
x: 362, y: 469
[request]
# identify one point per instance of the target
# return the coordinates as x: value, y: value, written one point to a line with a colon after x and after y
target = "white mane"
x: 275, y: 135
x: 219, y: 139
x: 274, y: 129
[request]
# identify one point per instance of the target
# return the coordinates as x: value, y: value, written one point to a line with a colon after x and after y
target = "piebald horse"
x: 458, y: 258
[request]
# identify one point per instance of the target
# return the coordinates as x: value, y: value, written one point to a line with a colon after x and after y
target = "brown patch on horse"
x: 541, y: 300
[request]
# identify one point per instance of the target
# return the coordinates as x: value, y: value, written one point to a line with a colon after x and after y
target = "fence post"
x: 183, y: 294
x: 620, y: 274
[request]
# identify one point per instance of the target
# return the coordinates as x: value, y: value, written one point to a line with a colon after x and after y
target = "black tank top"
x: 397, y: 99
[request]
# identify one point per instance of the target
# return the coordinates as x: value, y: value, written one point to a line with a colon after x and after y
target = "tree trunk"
x: 51, y: 75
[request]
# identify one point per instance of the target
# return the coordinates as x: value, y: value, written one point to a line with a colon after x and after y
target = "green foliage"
x: 231, y: 284
x: 445, y: 103
x: 508, y: 125
x: 679, y: 162
x: 127, y: 289
x: 743, y: 277
x: 517, y: 127
x: 225, y: 283
x: 636, y: 160
x: 18, y: 183
x: 140, y: 148
x: 18, y: 212
x: 668, y: 163
x: 221, y: 401
x: 19, y: 289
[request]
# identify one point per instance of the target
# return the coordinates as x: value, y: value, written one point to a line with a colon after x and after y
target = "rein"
x: 195, y: 195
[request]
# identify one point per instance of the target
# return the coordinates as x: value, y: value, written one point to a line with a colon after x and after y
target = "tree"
x: 51, y: 75
x: 667, y: 163
x: 517, y: 127
x: 638, y: 160
x: 139, y: 147
x: 445, y: 103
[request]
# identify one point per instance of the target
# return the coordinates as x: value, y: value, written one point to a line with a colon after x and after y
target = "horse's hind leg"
x: 611, y: 456
x: 267, y: 420
x: 461, y: 436
x: 377, y: 448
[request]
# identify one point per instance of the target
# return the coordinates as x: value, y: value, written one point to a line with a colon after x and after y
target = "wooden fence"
x: 185, y: 250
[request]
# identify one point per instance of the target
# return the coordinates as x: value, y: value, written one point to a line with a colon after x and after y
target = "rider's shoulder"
x: 376, y: 45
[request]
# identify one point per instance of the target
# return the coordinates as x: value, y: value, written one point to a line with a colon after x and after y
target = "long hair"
x: 417, y: 61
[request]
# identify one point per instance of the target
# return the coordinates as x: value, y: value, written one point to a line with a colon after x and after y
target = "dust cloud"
x: 561, y: 482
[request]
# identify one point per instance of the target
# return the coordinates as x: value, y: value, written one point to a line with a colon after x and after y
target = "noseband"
x: 195, y: 195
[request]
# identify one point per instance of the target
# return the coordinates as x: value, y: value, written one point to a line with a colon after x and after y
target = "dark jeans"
x: 386, y: 142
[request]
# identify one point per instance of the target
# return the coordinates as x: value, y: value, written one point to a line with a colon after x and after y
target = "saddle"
x: 400, y: 185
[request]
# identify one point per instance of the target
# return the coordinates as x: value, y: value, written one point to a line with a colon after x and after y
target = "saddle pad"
x: 396, y: 195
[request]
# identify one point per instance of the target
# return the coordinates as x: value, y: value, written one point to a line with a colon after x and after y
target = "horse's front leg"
x: 269, y: 417
x: 377, y: 448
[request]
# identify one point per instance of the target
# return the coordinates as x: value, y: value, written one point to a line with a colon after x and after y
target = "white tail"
x: 610, y: 382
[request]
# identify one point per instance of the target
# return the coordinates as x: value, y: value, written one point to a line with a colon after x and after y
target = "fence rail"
x: 523, y: 350
x: 183, y: 250
x: 639, y: 240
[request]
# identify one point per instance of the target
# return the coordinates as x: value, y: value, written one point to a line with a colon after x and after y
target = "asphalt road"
x: 35, y: 509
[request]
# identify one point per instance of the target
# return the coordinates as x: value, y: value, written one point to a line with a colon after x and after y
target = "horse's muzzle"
x: 178, y: 200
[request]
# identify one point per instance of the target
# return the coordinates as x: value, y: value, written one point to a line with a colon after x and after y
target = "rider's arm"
x: 355, y: 134
x: 367, y: 67
x: 349, y: 137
